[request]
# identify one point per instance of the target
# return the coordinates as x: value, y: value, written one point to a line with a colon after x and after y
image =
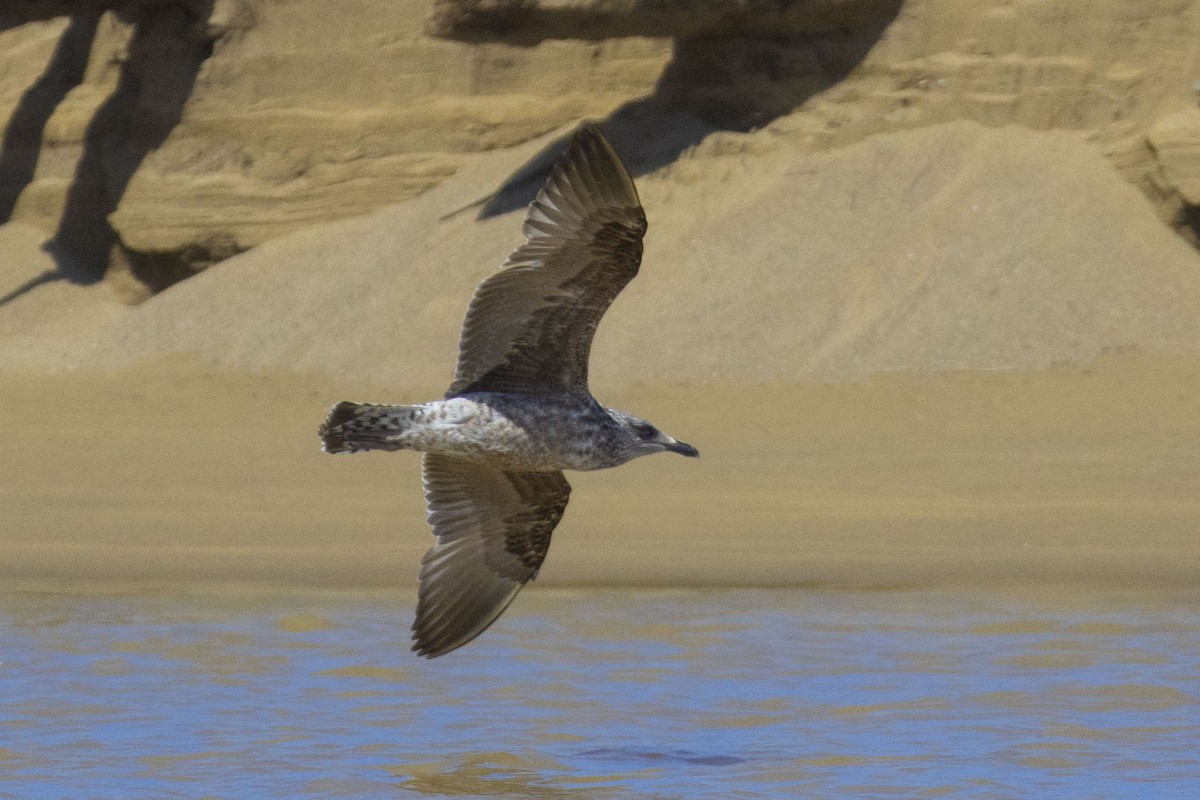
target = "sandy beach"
x: 180, y: 475
x: 949, y: 355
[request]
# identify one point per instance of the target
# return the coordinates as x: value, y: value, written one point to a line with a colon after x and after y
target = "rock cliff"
x: 155, y: 138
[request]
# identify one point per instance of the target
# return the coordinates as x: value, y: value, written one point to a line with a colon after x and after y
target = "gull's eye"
x: 644, y: 430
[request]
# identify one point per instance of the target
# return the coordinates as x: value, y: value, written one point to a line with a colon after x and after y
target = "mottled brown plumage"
x: 519, y: 410
x: 530, y: 326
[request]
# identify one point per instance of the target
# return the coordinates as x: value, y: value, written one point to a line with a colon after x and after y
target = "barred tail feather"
x: 353, y: 427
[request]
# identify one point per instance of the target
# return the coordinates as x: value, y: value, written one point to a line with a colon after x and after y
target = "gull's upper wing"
x: 493, y: 530
x: 529, y: 327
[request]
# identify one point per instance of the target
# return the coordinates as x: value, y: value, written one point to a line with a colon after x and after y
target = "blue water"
x: 605, y: 694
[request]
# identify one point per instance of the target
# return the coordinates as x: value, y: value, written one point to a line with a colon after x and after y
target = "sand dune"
x: 181, y: 449
x: 946, y: 248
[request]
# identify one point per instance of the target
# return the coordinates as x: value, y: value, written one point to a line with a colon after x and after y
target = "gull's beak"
x: 683, y: 448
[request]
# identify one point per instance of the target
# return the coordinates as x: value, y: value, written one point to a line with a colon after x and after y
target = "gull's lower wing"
x: 493, y: 530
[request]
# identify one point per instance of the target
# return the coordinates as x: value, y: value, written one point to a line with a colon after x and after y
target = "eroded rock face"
x: 194, y: 131
x: 1174, y: 146
x: 1176, y: 142
x: 296, y: 115
x: 20, y: 12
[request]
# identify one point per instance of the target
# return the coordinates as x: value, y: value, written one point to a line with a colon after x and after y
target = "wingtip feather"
x: 587, y: 177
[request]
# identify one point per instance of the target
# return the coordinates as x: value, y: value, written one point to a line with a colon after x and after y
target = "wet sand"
x: 179, y: 475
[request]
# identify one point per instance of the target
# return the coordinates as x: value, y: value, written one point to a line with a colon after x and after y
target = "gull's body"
x: 519, y: 411
x: 509, y: 431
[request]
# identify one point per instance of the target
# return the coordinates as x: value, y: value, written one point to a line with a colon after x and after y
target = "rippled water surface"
x: 605, y: 694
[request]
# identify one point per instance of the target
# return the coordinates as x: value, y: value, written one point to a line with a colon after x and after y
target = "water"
x: 605, y: 694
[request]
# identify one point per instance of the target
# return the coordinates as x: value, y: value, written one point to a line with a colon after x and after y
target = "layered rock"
x: 532, y: 21
x: 275, y: 116
x: 298, y: 116
x: 20, y: 12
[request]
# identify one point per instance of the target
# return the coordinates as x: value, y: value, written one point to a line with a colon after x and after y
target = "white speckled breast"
x: 517, y: 432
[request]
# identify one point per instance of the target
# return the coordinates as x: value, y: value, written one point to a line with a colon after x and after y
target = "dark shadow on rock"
x: 714, y: 83
x: 169, y: 44
x: 647, y: 138
x: 156, y: 271
x: 1187, y: 224
x: 21, y: 146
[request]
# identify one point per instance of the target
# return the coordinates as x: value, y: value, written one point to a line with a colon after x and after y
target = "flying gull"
x: 519, y: 411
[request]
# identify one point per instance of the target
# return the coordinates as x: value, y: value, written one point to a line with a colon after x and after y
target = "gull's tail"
x: 353, y: 427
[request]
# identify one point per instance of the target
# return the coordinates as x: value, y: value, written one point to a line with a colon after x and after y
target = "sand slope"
x: 45, y: 320
x: 946, y: 248
x: 951, y: 248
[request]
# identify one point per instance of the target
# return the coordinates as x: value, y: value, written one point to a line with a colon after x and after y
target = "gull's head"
x: 642, y: 438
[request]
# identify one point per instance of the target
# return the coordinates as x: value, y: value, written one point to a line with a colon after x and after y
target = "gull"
x: 519, y: 410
